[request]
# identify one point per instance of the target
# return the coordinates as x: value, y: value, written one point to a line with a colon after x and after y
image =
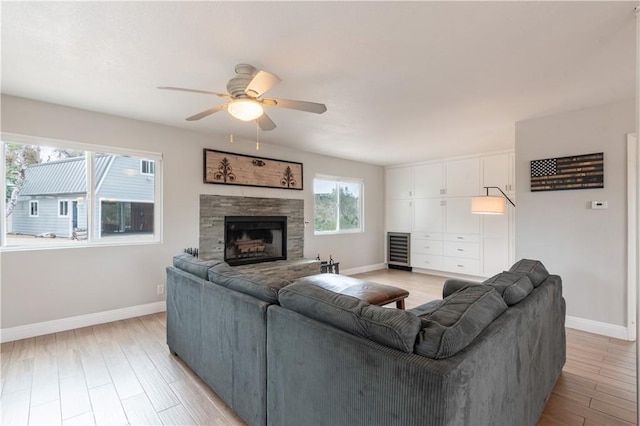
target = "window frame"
x: 60, y: 201
x: 35, y: 203
x: 92, y: 215
x: 338, y: 180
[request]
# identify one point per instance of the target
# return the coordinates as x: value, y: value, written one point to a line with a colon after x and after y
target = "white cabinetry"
x: 462, y: 177
x: 398, y: 215
x: 429, y: 180
x: 428, y: 214
x: 432, y: 201
x: 399, y: 183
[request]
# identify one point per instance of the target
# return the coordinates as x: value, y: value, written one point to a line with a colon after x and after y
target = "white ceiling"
x: 402, y: 81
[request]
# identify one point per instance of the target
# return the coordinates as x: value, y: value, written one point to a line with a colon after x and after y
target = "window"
x: 147, y: 167
x: 63, y: 208
x: 70, y: 193
x: 33, y: 208
x: 337, y: 205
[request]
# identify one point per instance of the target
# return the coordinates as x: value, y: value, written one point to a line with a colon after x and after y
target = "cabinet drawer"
x: 464, y: 238
x: 463, y: 250
x: 436, y: 236
x: 426, y: 261
x: 426, y: 247
x: 461, y: 266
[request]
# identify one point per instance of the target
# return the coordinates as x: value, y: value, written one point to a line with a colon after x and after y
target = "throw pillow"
x: 512, y: 287
x: 534, y: 269
x: 457, y: 321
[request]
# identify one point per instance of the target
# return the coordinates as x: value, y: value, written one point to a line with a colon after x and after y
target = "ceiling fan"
x: 245, y: 102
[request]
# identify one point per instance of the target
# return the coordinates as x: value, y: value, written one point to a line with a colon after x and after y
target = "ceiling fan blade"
x: 299, y: 105
x: 260, y: 83
x: 266, y: 123
x: 207, y: 112
x: 206, y: 92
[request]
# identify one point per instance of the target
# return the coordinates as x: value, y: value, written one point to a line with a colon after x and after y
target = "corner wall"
x: 53, y: 284
x: 587, y: 248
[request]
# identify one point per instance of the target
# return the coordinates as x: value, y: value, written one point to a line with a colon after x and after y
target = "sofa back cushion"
x: 263, y: 287
x: 390, y: 327
x: 193, y: 265
x: 534, y: 269
x: 511, y: 286
x: 454, y: 324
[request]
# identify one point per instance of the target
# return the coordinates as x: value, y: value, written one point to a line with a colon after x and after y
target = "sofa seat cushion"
x: 534, y: 269
x: 512, y: 287
x: 194, y: 265
x: 263, y: 287
x: 458, y: 320
x: 390, y: 327
x: 426, y: 308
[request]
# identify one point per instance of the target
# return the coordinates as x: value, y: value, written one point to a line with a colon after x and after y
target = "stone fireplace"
x: 215, y: 208
x: 254, y: 239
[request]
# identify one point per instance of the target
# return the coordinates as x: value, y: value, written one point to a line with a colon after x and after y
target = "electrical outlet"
x: 160, y: 289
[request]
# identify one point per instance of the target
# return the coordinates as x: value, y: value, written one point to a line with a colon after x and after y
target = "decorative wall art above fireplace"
x: 227, y: 168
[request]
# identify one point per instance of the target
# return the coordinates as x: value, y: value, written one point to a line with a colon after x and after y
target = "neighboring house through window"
x: 337, y: 205
x: 33, y: 208
x: 52, y: 193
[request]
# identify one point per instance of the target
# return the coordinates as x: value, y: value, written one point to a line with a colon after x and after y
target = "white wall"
x: 586, y: 247
x: 44, y: 285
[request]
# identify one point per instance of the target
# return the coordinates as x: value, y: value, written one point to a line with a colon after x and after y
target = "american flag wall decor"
x: 575, y: 172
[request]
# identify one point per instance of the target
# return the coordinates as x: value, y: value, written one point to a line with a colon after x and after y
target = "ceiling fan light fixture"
x: 245, y: 109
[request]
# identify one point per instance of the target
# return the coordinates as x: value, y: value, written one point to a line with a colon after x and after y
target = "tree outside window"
x: 337, y: 205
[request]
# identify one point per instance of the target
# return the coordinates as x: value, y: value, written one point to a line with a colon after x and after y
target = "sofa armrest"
x: 454, y: 284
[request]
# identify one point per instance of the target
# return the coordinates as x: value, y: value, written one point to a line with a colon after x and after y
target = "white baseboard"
x: 63, y: 324
x: 363, y: 269
x: 597, y: 327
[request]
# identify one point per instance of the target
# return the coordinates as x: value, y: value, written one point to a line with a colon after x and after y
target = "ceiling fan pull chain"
x: 257, y: 136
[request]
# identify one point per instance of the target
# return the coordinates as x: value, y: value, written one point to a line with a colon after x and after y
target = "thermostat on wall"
x: 599, y: 205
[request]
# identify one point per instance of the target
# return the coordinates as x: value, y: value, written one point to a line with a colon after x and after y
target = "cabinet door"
x: 428, y: 180
x: 495, y: 172
x: 462, y: 177
x: 428, y: 214
x: 495, y: 254
x: 399, y: 183
x: 398, y: 214
x: 458, y: 216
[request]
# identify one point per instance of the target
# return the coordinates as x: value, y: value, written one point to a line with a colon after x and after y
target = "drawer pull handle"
x: 460, y: 249
x: 460, y: 238
x: 460, y: 266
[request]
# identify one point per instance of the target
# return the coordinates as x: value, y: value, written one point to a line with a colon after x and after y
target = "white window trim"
x: 60, y: 201
x: 92, y: 240
x: 37, y: 203
x: 150, y: 162
x: 338, y: 180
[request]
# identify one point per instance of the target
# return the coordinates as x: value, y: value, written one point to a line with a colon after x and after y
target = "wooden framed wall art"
x: 575, y: 172
x: 227, y: 168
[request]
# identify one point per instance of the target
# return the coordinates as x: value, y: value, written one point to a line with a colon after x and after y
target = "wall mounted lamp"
x: 487, y: 204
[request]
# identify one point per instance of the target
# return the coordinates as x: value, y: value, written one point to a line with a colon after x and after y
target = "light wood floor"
x: 122, y: 373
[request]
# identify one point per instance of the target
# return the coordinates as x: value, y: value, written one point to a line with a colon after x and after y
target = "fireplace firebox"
x: 254, y: 239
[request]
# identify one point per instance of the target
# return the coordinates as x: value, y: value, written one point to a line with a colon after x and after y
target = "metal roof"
x: 66, y: 176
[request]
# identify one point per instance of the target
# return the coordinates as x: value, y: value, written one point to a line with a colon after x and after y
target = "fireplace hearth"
x: 254, y: 239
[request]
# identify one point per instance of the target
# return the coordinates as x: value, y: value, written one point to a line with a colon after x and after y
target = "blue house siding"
x: 119, y: 181
x: 123, y: 181
x: 47, y: 219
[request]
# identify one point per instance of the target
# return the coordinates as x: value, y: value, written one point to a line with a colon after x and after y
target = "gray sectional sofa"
x: 298, y: 354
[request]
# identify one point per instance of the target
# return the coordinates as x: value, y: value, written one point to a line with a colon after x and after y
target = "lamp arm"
x: 501, y: 191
